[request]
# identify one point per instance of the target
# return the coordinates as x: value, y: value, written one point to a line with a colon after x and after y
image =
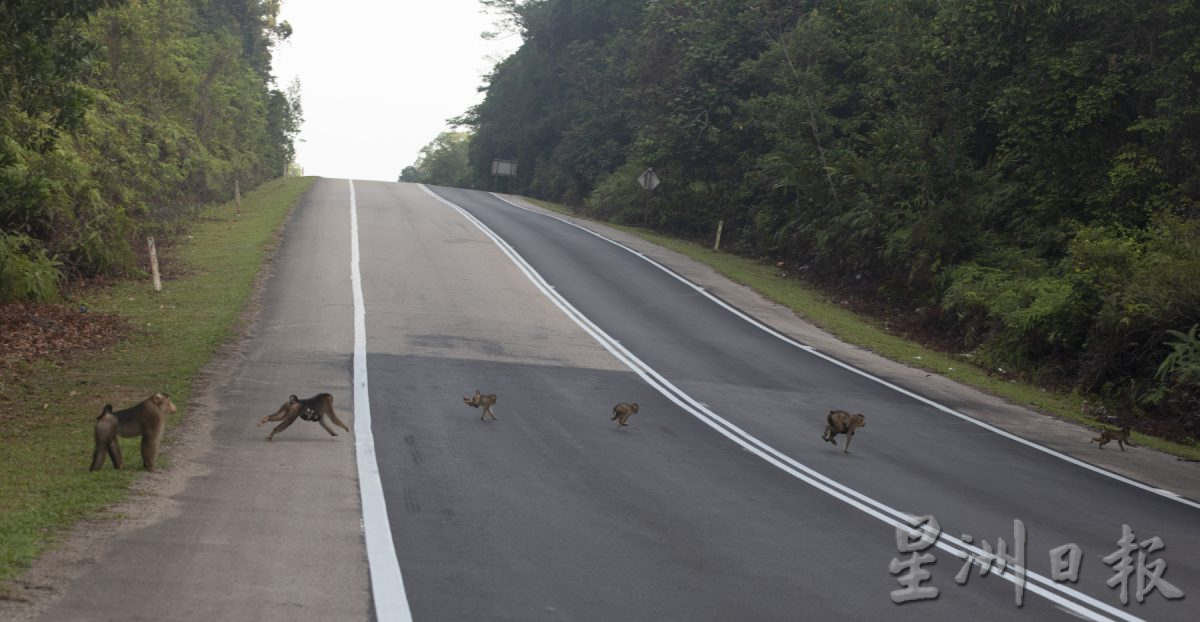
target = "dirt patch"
x: 32, y: 332
x: 38, y: 330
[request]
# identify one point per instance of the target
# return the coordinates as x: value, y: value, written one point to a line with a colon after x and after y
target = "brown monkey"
x: 842, y: 422
x: 316, y: 408
x: 146, y: 420
x: 622, y: 412
x: 486, y: 401
x: 1120, y: 436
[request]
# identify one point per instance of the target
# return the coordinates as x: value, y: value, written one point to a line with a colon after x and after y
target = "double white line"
x: 1062, y: 595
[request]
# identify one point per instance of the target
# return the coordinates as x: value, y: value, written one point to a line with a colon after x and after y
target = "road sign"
x: 504, y: 168
x: 648, y: 179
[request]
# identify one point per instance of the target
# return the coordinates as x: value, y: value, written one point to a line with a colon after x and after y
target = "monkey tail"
x: 107, y: 411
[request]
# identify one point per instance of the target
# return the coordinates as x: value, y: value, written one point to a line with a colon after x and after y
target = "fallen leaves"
x: 30, y: 331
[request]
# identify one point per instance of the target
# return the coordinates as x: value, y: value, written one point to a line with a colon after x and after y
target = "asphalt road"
x: 552, y: 513
x: 718, y: 502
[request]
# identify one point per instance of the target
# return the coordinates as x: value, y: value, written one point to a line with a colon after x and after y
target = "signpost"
x: 503, y: 168
x: 648, y: 179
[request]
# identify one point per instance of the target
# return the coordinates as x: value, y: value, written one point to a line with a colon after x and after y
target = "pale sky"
x: 379, y: 78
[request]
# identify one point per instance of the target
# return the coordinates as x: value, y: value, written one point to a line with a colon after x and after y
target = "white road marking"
x: 811, y: 350
x: 387, y: 586
x: 1055, y: 592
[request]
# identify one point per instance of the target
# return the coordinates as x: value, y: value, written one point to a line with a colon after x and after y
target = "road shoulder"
x: 235, y: 527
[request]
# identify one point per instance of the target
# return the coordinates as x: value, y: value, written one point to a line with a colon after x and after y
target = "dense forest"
x: 119, y: 118
x: 1018, y: 182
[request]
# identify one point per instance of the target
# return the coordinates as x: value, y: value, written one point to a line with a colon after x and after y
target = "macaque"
x: 842, y: 422
x: 486, y: 401
x: 146, y: 420
x: 622, y: 412
x: 1120, y: 436
x: 316, y: 408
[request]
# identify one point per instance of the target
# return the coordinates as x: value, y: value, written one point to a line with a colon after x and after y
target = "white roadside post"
x: 154, y: 264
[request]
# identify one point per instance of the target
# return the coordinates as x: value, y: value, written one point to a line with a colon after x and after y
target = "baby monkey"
x: 622, y: 412
x: 842, y: 422
x: 485, y: 401
x: 1120, y: 436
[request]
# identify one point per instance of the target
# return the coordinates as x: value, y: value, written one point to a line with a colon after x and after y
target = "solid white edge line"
x: 811, y: 350
x: 748, y: 442
x: 387, y: 586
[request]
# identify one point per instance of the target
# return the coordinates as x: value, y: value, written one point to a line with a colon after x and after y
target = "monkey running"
x: 622, y: 412
x: 317, y: 408
x: 842, y: 422
x: 1120, y: 436
x: 485, y: 401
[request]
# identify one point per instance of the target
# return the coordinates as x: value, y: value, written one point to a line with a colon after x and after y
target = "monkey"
x: 308, y: 414
x: 1120, y: 436
x: 622, y: 412
x: 316, y: 408
x: 842, y: 422
x: 486, y: 401
x: 146, y: 420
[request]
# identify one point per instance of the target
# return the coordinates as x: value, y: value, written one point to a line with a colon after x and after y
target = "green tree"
x: 443, y: 162
x: 43, y: 57
x: 118, y: 119
x: 557, y: 104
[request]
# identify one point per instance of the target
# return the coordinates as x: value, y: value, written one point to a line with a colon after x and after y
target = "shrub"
x: 26, y: 273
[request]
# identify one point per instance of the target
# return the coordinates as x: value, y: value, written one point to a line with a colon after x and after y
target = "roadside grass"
x: 816, y: 307
x: 45, y: 485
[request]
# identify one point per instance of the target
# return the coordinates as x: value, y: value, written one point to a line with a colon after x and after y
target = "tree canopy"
x: 119, y: 118
x: 442, y: 162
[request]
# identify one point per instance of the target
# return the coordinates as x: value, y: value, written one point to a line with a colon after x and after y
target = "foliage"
x: 1030, y: 171
x: 119, y: 119
x: 26, y: 273
x: 557, y: 104
x: 1178, y: 390
x: 619, y: 198
x: 43, y: 56
x: 442, y: 162
x: 1182, y: 365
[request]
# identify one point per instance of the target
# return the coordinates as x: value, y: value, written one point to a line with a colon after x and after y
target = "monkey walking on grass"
x: 145, y: 419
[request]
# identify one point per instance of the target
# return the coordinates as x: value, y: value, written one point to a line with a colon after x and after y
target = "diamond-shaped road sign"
x: 648, y: 179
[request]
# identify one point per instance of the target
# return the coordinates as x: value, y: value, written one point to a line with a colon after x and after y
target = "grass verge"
x: 816, y: 307
x: 45, y: 485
